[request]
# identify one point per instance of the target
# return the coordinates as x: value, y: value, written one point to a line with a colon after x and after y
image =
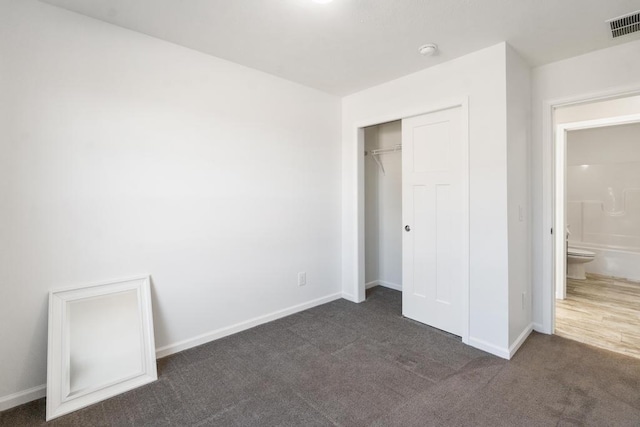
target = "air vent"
x: 624, y: 25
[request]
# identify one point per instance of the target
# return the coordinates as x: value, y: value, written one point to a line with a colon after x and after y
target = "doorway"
x: 434, y: 227
x: 596, y: 239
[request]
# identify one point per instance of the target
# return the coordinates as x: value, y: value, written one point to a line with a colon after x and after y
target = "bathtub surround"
x: 603, y: 197
x: 619, y: 263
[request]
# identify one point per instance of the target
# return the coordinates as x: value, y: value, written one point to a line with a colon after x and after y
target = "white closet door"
x: 434, y: 172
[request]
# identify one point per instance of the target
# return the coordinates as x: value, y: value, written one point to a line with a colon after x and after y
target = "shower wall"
x: 603, y: 197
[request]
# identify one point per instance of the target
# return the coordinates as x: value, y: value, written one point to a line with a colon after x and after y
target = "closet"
x: 383, y: 205
x: 416, y: 215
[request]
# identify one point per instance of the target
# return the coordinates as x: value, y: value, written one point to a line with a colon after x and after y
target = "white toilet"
x: 576, y: 259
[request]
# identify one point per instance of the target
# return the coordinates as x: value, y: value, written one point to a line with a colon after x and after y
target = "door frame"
x: 560, y: 188
x: 549, y: 186
x: 359, y: 229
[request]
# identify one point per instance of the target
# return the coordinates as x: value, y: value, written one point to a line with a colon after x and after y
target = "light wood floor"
x: 603, y: 312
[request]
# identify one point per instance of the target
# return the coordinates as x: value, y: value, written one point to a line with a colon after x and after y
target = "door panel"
x: 434, y: 174
x: 443, y: 240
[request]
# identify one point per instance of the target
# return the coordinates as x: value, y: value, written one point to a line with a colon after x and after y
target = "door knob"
x: 407, y: 228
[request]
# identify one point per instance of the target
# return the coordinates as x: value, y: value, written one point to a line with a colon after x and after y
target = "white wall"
x: 598, y: 110
x: 121, y: 154
x: 480, y: 77
x: 518, y: 182
x: 596, y: 74
x: 383, y: 207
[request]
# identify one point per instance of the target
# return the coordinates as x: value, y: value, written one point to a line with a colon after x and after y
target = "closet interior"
x: 383, y: 205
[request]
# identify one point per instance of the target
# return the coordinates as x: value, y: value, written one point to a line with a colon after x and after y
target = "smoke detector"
x: 428, y: 49
x: 626, y: 24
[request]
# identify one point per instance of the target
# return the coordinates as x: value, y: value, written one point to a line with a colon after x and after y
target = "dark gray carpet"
x: 363, y: 364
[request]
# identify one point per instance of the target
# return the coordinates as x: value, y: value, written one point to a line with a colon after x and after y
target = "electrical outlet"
x: 520, y: 214
x: 302, y: 278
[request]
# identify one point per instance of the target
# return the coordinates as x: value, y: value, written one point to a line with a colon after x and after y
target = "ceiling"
x: 349, y: 45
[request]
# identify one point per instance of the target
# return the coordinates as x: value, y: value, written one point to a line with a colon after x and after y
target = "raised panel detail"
x: 431, y: 147
x: 443, y: 243
x: 423, y: 240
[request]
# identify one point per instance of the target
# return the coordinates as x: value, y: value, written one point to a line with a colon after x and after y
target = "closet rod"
x: 397, y: 147
x: 375, y: 153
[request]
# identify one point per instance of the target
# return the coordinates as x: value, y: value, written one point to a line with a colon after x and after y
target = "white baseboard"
x: 15, y: 399
x: 539, y: 328
x: 239, y: 327
x: 520, y: 340
x: 349, y: 297
x: 385, y: 284
x: 483, y: 345
x: 505, y: 353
